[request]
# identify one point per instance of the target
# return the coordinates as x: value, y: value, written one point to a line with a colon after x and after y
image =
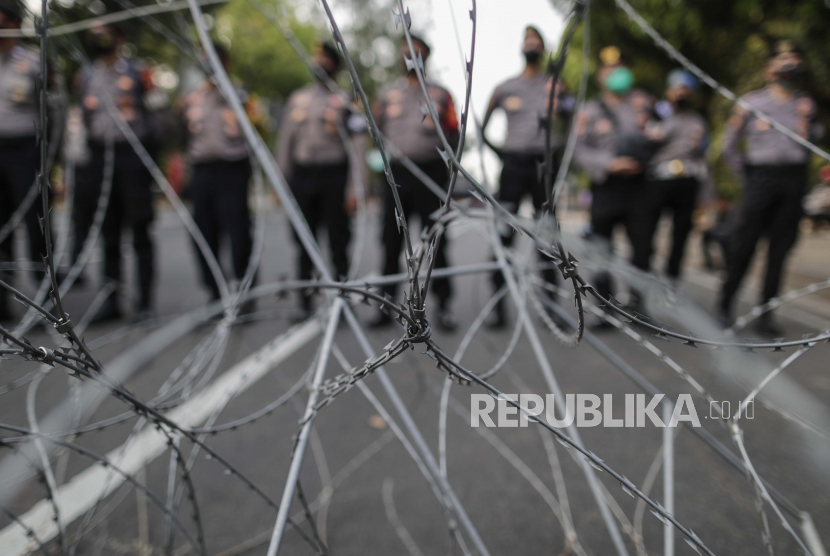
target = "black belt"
x: 14, y: 143
x: 522, y: 159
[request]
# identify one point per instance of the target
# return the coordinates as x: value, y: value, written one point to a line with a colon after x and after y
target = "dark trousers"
x: 130, y: 206
x: 520, y: 176
x: 771, y: 206
x: 321, y: 193
x: 680, y: 197
x: 219, y: 192
x: 415, y: 198
x: 621, y: 201
x: 19, y: 164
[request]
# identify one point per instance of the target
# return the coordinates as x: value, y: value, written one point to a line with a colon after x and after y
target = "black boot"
x: 767, y: 326
x: 5, y: 311
x: 724, y: 316
x: 108, y: 311
x: 498, y: 318
x: 382, y: 320
x: 444, y: 318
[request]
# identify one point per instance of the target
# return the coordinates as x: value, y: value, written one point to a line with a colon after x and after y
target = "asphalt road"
x: 380, y: 501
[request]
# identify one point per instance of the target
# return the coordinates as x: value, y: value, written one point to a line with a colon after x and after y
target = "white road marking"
x: 79, y: 494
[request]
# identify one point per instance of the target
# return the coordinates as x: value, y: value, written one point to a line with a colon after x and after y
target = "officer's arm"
x: 180, y: 111
x: 815, y: 128
x: 449, y: 122
x: 287, y: 130
x: 356, y: 127
x: 587, y: 156
x: 731, y: 142
x: 156, y: 105
x: 256, y: 114
x: 494, y: 103
x: 379, y: 111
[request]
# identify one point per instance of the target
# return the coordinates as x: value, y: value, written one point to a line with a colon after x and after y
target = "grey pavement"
x: 351, y: 444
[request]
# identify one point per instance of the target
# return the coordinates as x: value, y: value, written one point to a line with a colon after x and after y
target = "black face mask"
x: 683, y: 103
x: 101, y: 44
x: 789, y: 73
x: 323, y: 75
x: 532, y: 56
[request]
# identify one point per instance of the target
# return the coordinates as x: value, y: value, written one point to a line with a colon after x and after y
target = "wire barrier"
x: 182, y: 418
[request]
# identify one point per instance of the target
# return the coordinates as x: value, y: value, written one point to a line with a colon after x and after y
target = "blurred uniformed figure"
x: 524, y: 100
x: 19, y: 150
x: 400, y: 118
x: 613, y: 148
x: 313, y: 157
x: 220, y: 172
x: 773, y: 171
x: 125, y: 82
x: 678, y: 168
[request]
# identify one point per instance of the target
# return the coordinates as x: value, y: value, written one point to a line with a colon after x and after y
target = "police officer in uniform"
x: 112, y: 78
x: 19, y: 150
x: 220, y: 172
x: 613, y: 148
x: 399, y: 117
x: 678, y: 168
x: 524, y: 100
x: 773, y: 171
x: 314, y: 160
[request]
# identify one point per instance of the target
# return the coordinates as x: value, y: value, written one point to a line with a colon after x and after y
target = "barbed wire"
x: 198, y: 368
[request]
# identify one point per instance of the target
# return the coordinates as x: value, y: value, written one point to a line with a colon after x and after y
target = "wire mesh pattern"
x: 178, y: 420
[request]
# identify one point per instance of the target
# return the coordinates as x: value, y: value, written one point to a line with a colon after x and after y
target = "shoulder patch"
x: 805, y: 106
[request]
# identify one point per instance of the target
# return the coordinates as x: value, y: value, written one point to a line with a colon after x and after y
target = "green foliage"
x: 729, y: 39
x: 260, y: 56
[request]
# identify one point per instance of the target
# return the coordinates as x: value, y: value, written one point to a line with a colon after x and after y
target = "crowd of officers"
x: 643, y: 158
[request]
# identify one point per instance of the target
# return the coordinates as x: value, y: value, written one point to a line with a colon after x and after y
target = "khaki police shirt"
x: 682, y: 136
x: 599, y: 131
x: 400, y: 118
x: 309, y: 134
x: 213, y: 131
x: 19, y: 73
x: 764, y: 145
x: 525, y: 102
x: 126, y: 88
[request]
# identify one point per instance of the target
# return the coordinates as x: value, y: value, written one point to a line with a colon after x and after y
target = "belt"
x: 676, y: 169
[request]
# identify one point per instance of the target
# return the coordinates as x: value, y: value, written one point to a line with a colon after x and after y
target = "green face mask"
x: 619, y: 81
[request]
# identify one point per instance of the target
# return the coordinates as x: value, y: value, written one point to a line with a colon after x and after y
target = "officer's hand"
x: 350, y: 203
x: 624, y: 166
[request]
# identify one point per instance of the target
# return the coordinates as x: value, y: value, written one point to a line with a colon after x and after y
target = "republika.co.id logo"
x: 584, y: 410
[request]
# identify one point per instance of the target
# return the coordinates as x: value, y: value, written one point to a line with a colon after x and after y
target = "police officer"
x: 399, y: 117
x: 220, y: 172
x: 678, y: 168
x: 313, y: 158
x: 773, y: 172
x: 524, y: 100
x: 19, y: 150
x: 126, y: 83
x: 613, y: 148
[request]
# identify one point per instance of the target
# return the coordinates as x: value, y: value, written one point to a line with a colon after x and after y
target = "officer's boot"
x: 636, y: 304
x: 5, y: 311
x: 724, y: 316
x: 144, y: 309
x: 108, y: 311
x: 767, y: 326
x: 306, y: 308
x: 498, y: 318
x: 602, y: 284
x: 381, y: 320
x: 444, y: 318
